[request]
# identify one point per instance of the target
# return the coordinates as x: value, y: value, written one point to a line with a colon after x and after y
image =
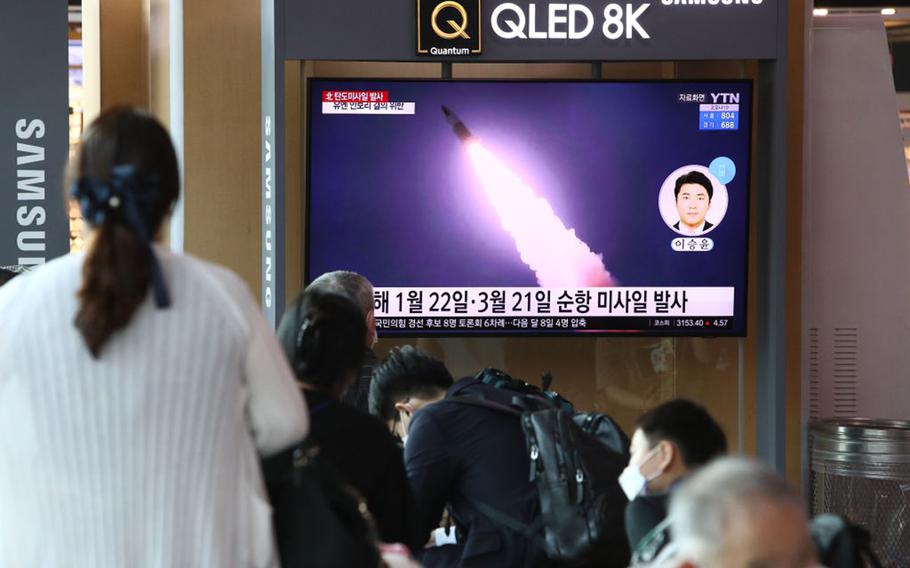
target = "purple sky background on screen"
x: 396, y: 199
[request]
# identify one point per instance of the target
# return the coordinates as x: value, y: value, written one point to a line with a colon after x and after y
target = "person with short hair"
x: 407, y: 381
x: 138, y: 387
x: 469, y: 459
x: 670, y: 442
x: 737, y: 513
x: 322, y: 335
x: 693, y: 192
x: 360, y: 291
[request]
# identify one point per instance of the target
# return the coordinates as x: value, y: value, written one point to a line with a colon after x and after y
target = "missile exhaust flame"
x: 555, y: 254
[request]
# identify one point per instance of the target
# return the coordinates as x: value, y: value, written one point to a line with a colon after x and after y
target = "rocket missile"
x: 458, y: 126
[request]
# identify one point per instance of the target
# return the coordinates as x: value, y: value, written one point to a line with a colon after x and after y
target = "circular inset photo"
x: 692, y: 201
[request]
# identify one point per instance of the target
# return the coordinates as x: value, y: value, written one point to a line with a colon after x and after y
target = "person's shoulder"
x: 215, y: 273
x: 652, y: 506
x: 65, y: 270
x: 364, y: 424
x: 229, y: 292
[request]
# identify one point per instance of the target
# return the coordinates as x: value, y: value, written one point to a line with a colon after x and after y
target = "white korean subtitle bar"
x: 367, y: 108
x: 543, y: 302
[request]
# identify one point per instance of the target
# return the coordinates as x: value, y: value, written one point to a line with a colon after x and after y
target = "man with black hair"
x: 323, y: 335
x: 693, y: 192
x: 465, y: 457
x: 406, y: 382
x: 670, y: 442
x: 359, y: 290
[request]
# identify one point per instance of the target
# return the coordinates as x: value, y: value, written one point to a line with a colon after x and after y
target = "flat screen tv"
x: 534, y: 208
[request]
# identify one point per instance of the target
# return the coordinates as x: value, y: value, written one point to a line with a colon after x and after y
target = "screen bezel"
x: 310, y: 83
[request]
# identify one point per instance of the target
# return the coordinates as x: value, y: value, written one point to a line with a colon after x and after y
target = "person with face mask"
x: 669, y: 443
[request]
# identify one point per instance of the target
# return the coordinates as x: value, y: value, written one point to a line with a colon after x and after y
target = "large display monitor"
x: 529, y: 208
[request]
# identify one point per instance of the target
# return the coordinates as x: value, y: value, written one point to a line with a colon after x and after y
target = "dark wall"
x: 900, y: 62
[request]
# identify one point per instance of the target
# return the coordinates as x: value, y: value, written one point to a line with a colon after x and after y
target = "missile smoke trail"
x: 555, y: 254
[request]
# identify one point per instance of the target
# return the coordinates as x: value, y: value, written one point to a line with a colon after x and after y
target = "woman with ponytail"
x: 137, y: 387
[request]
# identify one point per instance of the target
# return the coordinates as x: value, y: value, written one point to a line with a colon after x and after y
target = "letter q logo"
x: 458, y: 29
x: 449, y: 27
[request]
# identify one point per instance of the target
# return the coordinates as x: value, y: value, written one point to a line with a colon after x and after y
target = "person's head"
x: 322, y: 335
x: 669, y: 441
x: 693, y: 193
x: 406, y: 382
x: 126, y: 179
x: 6, y: 276
x: 356, y: 288
x: 737, y: 513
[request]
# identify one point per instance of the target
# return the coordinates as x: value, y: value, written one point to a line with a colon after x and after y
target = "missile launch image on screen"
x: 551, y: 250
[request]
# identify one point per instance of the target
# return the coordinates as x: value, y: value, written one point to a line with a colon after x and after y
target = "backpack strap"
x: 528, y: 531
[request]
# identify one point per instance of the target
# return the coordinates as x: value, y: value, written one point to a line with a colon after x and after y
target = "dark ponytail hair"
x: 119, y: 265
x: 323, y: 335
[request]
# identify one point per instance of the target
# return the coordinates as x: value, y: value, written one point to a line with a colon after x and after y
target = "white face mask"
x: 632, y: 481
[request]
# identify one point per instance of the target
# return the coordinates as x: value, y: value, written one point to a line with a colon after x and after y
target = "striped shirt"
x: 147, y: 456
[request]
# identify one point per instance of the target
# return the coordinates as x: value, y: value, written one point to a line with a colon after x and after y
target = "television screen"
x: 529, y: 208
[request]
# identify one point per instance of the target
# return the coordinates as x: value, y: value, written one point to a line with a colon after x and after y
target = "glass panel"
x: 621, y: 376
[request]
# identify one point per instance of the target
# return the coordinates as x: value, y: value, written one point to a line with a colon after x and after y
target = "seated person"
x: 323, y: 337
x: 670, y: 441
x: 735, y: 513
x: 469, y: 458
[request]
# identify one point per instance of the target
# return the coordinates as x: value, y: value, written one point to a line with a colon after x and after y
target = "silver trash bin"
x: 860, y: 469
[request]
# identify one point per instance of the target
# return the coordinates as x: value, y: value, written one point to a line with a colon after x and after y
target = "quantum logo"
x: 458, y: 29
x: 448, y: 27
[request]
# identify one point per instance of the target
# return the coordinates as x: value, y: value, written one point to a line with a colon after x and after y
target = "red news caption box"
x: 355, y: 96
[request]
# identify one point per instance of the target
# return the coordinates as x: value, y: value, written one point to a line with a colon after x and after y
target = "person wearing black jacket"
x: 323, y: 336
x: 467, y: 458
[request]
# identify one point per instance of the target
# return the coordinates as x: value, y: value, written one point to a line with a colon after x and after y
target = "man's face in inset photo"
x: 692, y: 203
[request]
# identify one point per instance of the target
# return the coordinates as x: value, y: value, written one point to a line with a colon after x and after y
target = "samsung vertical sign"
x: 34, y: 131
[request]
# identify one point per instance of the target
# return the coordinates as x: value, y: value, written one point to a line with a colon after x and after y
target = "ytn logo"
x: 725, y: 98
x: 448, y: 27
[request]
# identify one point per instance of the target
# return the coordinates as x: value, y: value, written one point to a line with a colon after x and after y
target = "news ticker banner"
x: 674, y: 309
x: 34, y: 132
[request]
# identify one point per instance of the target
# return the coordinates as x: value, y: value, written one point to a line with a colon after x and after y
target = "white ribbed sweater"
x: 147, y: 456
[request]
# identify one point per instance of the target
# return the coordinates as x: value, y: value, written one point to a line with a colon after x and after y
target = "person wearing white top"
x: 137, y: 387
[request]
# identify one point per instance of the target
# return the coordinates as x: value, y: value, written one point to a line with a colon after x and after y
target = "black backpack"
x: 319, y: 521
x: 575, y: 459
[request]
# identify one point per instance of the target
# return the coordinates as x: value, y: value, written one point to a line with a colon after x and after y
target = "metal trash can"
x: 860, y: 469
